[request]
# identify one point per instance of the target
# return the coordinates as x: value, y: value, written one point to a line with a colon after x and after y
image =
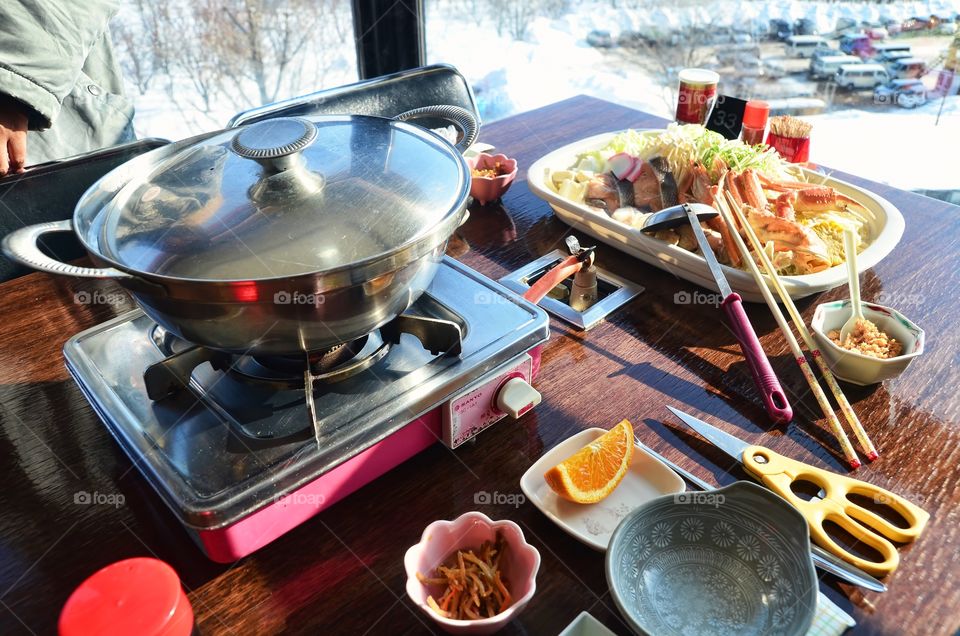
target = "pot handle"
x: 454, y: 114
x: 21, y: 246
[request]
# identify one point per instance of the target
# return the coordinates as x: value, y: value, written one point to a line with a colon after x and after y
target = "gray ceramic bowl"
x: 731, y: 561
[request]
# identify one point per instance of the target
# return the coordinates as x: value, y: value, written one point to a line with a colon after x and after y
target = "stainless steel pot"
x: 284, y: 236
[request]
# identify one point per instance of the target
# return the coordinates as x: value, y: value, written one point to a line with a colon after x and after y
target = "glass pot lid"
x: 285, y: 197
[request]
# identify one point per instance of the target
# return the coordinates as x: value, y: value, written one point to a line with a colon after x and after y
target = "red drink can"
x: 697, y: 95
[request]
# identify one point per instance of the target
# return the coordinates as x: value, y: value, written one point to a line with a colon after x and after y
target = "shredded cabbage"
x: 682, y: 144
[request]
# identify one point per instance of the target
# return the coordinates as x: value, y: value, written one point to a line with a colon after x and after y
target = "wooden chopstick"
x: 848, y: 412
x: 845, y: 408
x: 723, y: 201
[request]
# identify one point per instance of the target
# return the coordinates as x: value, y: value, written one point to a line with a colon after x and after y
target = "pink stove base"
x: 233, y: 542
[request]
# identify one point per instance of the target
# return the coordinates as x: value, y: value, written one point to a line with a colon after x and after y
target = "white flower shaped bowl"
x: 853, y: 366
x: 441, y: 539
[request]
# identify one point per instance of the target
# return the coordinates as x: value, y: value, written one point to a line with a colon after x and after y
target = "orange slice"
x: 593, y: 472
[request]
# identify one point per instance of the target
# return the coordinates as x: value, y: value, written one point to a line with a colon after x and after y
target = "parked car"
x: 908, y: 93
x: 600, y: 39
x: 780, y: 29
x: 804, y: 26
x: 917, y: 23
x: 877, y: 33
x: 825, y: 66
x: 855, y: 44
x: 891, y: 25
x: 804, y: 45
x: 845, y: 24
x: 824, y: 51
x: 728, y: 55
x: 774, y: 69
x: 852, y: 76
x: 889, y: 57
x: 908, y: 68
x: 880, y: 49
x: 946, y: 28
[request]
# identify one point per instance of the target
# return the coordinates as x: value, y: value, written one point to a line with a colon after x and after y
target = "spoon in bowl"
x: 850, y: 251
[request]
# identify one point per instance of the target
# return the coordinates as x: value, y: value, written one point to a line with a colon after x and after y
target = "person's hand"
x: 13, y: 136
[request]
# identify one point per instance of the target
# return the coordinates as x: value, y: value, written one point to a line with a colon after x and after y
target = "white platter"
x: 592, y: 524
x: 885, y: 231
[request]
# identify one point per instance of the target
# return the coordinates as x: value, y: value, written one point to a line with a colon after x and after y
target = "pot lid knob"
x: 269, y: 142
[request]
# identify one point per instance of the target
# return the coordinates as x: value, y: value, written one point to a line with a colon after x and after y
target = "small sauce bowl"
x: 856, y: 367
x: 487, y: 189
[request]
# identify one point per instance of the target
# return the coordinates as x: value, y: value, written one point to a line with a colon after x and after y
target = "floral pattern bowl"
x: 731, y: 561
x: 487, y: 189
x: 853, y: 366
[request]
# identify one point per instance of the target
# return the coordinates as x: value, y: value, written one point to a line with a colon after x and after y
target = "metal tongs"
x: 580, y: 265
x: 766, y: 381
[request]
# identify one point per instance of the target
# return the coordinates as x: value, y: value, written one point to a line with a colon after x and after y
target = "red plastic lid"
x: 755, y: 113
x: 137, y: 596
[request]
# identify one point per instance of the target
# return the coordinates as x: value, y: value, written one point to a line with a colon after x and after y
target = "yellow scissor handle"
x: 778, y: 473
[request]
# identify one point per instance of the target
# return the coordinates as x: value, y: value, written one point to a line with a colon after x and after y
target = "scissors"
x: 778, y: 473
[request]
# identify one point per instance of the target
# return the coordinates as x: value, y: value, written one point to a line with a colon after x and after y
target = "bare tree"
x: 513, y: 18
x: 664, y: 55
x: 136, y: 64
x: 231, y: 53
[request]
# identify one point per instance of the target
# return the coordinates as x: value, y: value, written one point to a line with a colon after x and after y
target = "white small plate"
x: 586, y: 625
x: 648, y: 478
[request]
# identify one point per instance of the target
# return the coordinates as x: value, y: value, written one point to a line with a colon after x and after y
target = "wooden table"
x: 342, y: 572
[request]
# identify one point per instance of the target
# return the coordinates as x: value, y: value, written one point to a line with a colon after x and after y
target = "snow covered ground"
x: 896, y: 146
x: 899, y: 147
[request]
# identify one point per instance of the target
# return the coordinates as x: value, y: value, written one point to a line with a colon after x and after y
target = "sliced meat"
x: 603, y: 192
x: 646, y: 189
x: 669, y: 193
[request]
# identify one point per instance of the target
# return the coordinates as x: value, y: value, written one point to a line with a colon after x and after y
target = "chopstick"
x: 723, y: 201
x: 845, y: 408
x: 848, y: 412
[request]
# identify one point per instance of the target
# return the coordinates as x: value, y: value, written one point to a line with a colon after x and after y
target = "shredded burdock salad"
x: 472, y: 583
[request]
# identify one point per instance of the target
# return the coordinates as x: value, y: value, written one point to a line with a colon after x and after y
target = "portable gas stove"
x: 251, y: 448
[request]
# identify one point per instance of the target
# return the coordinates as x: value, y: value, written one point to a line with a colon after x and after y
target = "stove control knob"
x: 516, y: 397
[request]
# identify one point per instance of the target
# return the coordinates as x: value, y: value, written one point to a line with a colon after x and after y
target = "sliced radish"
x: 621, y: 164
x: 634, y: 173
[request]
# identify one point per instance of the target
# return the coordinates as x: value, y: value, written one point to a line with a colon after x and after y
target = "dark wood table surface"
x: 342, y: 571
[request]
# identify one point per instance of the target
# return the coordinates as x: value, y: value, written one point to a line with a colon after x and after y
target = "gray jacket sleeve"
x: 43, y: 46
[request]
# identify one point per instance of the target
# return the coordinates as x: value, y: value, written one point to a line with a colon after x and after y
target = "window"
x: 520, y: 55
x: 190, y: 65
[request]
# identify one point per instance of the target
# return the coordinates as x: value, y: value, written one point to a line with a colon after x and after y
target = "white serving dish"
x: 592, y: 524
x: 586, y: 625
x: 885, y: 231
x: 853, y: 366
